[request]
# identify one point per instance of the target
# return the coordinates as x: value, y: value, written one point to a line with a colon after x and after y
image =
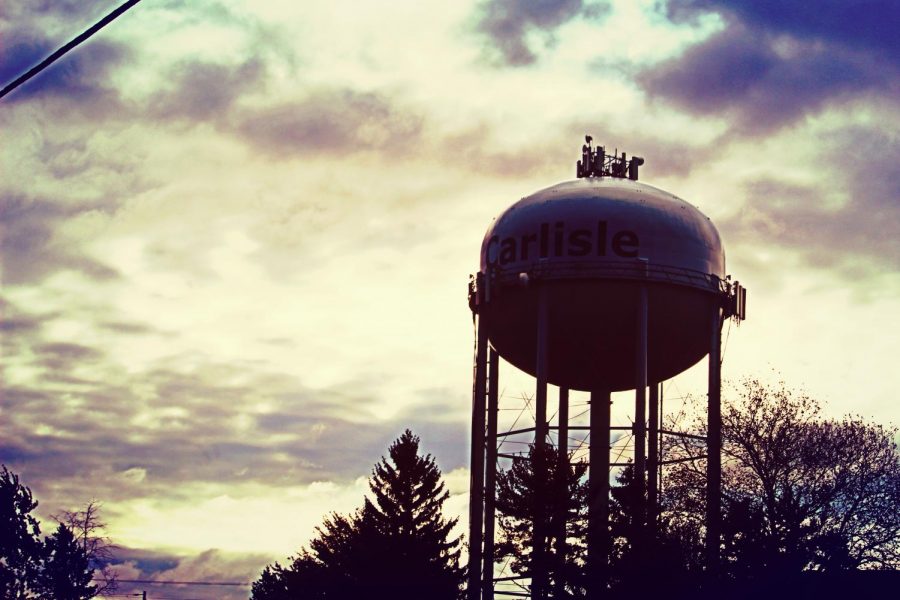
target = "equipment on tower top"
x: 595, y: 162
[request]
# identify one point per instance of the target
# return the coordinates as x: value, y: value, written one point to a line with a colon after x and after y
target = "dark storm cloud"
x: 147, y: 562
x: 29, y: 246
x: 766, y: 73
x: 332, y: 121
x: 857, y: 238
x: 870, y: 26
x: 507, y: 24
x: 77, y: 81
x: 20, y: 53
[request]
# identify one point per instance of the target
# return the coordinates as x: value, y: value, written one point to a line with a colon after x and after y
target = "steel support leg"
x: 562, y: 447
x: 640, y: 424
x: 653, y: 462
x: 490, y: 475
x: 539, y: 532
x: 598, y: 497
x: 714, y: 449
x: 476, y: 484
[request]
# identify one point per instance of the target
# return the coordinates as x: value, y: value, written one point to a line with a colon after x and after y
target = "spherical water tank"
x: 590, y: 245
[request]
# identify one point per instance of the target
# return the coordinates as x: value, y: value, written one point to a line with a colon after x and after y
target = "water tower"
x: 600, y: 284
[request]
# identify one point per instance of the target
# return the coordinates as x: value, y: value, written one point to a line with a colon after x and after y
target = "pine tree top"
x: 409, y: 493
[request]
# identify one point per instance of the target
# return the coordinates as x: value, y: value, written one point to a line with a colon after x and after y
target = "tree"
x: 88, y: 531
x: 409, y: 496
x: 563, y: 495
x: 66, y: 573
x: 56, y: 568
x: 665, y: 554
x: 800, y: 493
x: 20, y: 546
x: 398, y: 546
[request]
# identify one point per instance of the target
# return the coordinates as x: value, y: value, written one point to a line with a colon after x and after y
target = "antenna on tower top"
x: 596, y: 163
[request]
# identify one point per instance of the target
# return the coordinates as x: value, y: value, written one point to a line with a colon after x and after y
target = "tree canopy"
x: 56, y: 567
x: 398, y: 545
x: 87, y: 529
x: 560, y: 489
x: 20, y: 546
x: 800, y: 492
x: 66, y: 574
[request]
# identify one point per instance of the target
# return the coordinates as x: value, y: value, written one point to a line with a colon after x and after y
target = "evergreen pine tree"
x: 56, y: 568
x: 397, y: 546
x: 564, y: 494
x: 20, y: 544
x: 67, y: 573
x: 406, y: 514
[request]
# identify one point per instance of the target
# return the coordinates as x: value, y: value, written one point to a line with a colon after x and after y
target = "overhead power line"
x: 59, y: 53
x: 165, y: 582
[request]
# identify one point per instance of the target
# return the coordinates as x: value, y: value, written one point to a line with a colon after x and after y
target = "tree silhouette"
x: 20, y: 546
x: 56, y: 568
x: 800, y: 493
x: 398, y: 546
x: 66, y: 573
x: 563, y: 493
x: 665, y: 552
x: 406, y: 514
x: 88, y: 531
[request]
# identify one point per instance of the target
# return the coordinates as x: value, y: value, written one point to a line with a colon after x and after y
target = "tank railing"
x: 733, y: 294
x: 611, y: 270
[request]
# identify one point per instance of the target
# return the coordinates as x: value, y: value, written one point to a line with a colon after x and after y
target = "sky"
x: 236, y: 237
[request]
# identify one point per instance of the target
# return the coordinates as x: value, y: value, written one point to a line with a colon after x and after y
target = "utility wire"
x: 164, y: 582
x: 59, y: 53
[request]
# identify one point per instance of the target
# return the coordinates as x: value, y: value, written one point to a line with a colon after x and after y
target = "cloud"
x: 741, y: 73
x: 869, y: 27
x: 77, y: 81
x: 332, y: 122
x: 212, y: 455
x: 88, y: 81
x: 30, y: 246
x: 210, y: 567
x: 64, y: 356
x: 767, y: 69
x: 15, y: 322
x: 204, y: 91
x: 84, y: 419
x: 125, y: 328
x: 508, y: 24
x: 478, y: 150
x: 860, y: 236
x: 80, y: 9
